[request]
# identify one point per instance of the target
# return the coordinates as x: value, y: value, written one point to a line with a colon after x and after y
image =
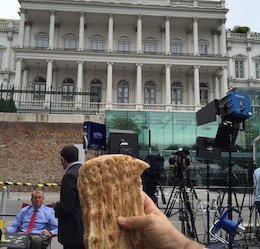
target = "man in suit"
x: 68, y: 210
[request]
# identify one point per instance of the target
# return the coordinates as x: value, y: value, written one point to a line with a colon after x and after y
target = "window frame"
x: 239, y: 68
x: 257, y: 69
x: 42, y: 40
x: 124, y: 86
x: 151, y: 45
x: 150, y: 92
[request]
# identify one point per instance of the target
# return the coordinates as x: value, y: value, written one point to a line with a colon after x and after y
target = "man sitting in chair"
x: 36, y: 220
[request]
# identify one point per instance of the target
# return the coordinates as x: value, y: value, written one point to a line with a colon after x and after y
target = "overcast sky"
x: 241, y: 12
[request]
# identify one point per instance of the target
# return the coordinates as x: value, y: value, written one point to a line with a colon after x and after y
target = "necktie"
x: 32, y: 221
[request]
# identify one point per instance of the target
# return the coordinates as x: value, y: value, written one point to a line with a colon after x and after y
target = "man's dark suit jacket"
x: 68, y: 210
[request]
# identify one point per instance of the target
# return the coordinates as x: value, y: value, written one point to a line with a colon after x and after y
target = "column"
x: 190, y: 94
x: 196, y: 87
x: 211, y: 90
x: 79, y: 82
x: 195, y: 37
x: 250, y: 62
x: 139, y: 34
x: 138, y: 96
x: 109, y: 101
x: 51, y: 30
x: 8, y: 52
x: 21, y: 28
x: 167, y: 35
x: 216, y: 87
x: 49, y: 75
x: 18, y: 73
x: 81, y: 31
x: 223, y: 38
x: 224, y: 82
x: 168, y: 87
x: 48, y: 83
x: 25, y: 78
x: 110, y: 32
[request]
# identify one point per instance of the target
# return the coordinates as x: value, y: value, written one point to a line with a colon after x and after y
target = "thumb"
x: 134, y: 222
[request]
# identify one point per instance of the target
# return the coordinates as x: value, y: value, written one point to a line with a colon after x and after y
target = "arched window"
x: 68, y: 87
x: 123, y: 92
x: 95, y: 90
x: 150, y: 92
x: 204, y: 89
x: 39, y: 87
x: 176, y: 92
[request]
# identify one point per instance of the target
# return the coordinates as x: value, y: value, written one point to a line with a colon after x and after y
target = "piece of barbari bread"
x: 110, y: 186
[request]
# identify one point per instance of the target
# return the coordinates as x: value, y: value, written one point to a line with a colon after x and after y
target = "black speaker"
x: 206, y: 150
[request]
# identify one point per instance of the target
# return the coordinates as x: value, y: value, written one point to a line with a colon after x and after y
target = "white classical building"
x: 161, y: 55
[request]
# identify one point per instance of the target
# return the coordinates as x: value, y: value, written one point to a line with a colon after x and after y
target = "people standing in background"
x: 68, y: 210
x: 256, y: 179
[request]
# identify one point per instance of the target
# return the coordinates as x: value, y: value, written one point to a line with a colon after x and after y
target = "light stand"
x: 233, y: 109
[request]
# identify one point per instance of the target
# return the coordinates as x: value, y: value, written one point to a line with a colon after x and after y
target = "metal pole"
x: 3, y: 203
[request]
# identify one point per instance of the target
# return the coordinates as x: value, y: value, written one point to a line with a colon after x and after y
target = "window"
x: 39, y: 88
x: 1, y: 58
x: 97, y: 44
x: 70, y: 42
x: 176, y: 48
x: 239, y: 68
x: 95, y: 90
x: 42, y: 40
x: 176, y: 92
x: 123, y: 92
x: 150, y: 92
x: 123, y: 46
x: 257, y: 69
x: 203, y: 48
x: 149, y: 47
x: 204, y: 93
x: 68, y: 89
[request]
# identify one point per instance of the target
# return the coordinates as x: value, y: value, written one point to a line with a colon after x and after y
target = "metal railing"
x: 29, y: 100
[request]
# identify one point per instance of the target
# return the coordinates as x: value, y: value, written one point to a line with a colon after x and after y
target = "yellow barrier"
x: 47, y: 184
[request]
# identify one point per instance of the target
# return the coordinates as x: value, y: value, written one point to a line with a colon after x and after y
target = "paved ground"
x: 174, y: 209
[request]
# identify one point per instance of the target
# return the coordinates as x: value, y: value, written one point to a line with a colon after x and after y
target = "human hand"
x: 46, y: 233
x: 157, y: 229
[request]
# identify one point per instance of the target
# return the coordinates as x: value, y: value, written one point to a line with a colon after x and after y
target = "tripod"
x: 185, y: 207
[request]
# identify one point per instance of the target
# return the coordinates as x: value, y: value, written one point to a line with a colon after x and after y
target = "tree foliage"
x: 124, y: 124
x: 241, y: 29
x: 7, y: 105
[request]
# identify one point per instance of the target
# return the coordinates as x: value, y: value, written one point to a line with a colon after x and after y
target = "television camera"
x: 154, y: 176
x: 180, y: 160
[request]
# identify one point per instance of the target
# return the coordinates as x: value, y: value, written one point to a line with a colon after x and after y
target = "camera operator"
x: 153, y: 176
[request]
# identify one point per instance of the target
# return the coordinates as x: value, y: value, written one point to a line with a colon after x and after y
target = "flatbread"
x: 110, y: 186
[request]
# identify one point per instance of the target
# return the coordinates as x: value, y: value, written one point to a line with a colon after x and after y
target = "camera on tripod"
x: 154, y: 176
x: 180, y: 161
